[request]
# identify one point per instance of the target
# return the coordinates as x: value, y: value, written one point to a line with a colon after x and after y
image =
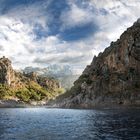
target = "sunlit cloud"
x: 41, y: 33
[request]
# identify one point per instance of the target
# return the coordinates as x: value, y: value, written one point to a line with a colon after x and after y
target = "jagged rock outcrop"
x: 7, y: 75
x: 25, y: 87
x: 112, y: 78
x: 46, y: 82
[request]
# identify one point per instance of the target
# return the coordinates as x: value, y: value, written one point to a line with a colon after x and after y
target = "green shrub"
x: 32, y: 91
x: 23, y: 95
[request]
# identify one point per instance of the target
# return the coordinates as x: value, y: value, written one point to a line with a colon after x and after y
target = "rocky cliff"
x: 25, y: 87
x: 46, y: 82
x: 112, y: 78
x: 7, y: 74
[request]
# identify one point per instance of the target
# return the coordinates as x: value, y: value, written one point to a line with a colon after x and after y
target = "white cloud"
x: 75, y: 16
x: 112, y: 16
x: 32, y: 14
x: 20, y: 46
x: 15, y: 35
x: 17, y: 38
x: 116, y: 17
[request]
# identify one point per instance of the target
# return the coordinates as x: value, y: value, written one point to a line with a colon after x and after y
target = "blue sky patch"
x: 79, y: 32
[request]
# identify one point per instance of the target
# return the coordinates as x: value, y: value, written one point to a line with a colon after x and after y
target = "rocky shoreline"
x: 97, y: 106
x: 10, y: 104
x: 20, y: 104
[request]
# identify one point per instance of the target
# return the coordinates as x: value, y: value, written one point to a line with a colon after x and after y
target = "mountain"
x: 63, y: 74
x: 51, y: 70
x: 112, y: 78
x: 25, y: 87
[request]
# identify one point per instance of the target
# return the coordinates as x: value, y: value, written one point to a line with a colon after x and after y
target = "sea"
x: 69, y: 124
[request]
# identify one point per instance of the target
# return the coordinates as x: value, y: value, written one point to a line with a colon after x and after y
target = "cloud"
x: 77, y: 22
x: 70, y: 33
x: 32, y: 14
x: 76, y: 16
x: 113, y: 17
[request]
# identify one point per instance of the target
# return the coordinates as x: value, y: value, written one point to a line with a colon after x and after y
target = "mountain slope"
x: 112, y: 78
x: 63, y: 74
x: 27, y: 88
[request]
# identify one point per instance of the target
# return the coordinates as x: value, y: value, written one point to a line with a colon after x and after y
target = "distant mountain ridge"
x: 63, y: 74
x: 51, y: 70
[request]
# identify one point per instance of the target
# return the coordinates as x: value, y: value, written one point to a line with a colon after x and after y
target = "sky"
x: 39, y: 33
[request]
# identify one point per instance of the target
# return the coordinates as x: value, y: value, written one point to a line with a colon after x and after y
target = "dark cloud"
x: 4, y: 36
x: 73, y: 60
x: 103, y: 11
x: 39, y: 31
x: 7, y: 5
x: 55, y: 9
x: 46, y: 60
x: 1, y: 48
x: 70, y: 60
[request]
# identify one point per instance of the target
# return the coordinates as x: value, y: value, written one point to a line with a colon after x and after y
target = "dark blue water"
x: 69, y: 124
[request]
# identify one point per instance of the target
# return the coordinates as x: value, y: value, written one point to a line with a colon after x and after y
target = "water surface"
x: 69, y: 124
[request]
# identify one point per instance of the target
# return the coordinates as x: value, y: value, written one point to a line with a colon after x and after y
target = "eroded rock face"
x: 47, y: 83
x: 25, y: 88
x: 113, y: 77
x: 18, y: 80
x: 10, y: 77
x: 7, y: 75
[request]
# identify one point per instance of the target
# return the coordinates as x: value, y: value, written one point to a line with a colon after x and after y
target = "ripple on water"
x: 69, y: 124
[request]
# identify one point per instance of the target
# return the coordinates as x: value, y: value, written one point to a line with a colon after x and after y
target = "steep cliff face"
x: 113, y: 77
x: 7, y: 74
x: 25, y: 87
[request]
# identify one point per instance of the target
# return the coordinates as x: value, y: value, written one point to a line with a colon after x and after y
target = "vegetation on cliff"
x: 17, y: 86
